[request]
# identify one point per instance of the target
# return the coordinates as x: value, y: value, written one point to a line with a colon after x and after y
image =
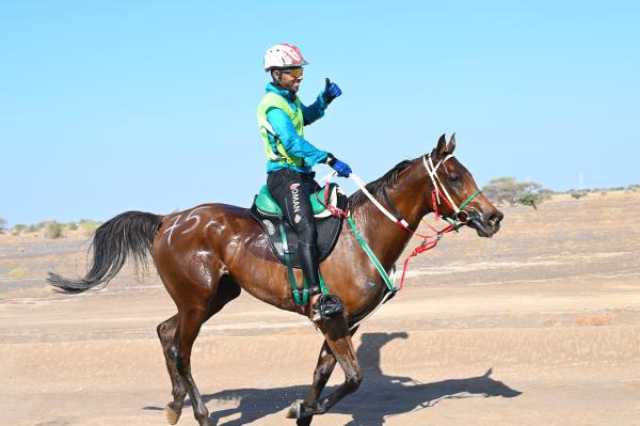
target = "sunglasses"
x: 294, y: 72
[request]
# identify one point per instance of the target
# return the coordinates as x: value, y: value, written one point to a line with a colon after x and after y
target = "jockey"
x: 290, y: 159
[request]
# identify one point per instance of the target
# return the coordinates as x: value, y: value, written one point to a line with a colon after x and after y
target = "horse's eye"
x: 454, y: 177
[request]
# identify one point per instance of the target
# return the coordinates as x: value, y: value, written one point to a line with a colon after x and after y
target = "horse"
x: 206, y: 255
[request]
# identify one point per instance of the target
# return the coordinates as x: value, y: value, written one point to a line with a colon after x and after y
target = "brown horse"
x: 207, y: 254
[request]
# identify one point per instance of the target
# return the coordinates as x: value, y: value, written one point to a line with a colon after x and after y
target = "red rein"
x: 429, y: 241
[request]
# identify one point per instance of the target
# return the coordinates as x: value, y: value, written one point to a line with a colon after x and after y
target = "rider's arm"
x: 314, y: 111
x: 293, y: 143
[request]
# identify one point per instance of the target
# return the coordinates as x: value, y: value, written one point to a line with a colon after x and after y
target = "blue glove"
x: 342, y: 168
x: 331, y: 91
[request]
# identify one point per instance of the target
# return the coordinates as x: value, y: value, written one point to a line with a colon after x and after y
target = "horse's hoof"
x: 295, y: 410
x: 172, y: 415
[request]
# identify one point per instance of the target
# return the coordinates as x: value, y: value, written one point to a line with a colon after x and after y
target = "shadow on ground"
x: 380, y: 395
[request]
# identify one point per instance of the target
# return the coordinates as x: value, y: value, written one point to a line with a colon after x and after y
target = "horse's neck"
x: 387, y: 239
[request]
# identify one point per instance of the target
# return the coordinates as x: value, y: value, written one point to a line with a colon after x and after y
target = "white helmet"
x: 283, y: 55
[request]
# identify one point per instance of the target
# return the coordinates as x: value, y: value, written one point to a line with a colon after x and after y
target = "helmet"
x: 283, y: 55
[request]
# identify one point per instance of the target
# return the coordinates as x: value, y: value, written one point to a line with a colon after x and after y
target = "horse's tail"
x: 128, y: 234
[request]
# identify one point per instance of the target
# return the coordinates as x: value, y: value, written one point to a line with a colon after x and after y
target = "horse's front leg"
x: 303, y: 410
x: 339, y: 344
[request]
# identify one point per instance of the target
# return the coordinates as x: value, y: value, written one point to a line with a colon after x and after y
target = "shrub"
x: 578, y: 194
x: 509, y: 190
x: 18, y: 229
x: 31, y: 229
x: 41, y: 225
x: 88, y: 226
x: 530, y: 199
x: 53, y: 230
x: 72, y: 226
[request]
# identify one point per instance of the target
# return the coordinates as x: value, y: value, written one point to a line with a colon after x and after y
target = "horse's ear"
x: 441, y: 149
x: 451, y: 146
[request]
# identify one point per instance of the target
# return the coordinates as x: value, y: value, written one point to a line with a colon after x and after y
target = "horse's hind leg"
x: 166, y: 333
x: 186, y: 326
x: 189, y: 322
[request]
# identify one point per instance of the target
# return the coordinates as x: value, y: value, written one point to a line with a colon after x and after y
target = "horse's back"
x: 201, y: 226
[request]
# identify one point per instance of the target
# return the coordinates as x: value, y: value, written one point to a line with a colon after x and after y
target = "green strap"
x: 468, y: 200
x: 300, y: 296
x: 371, y: 254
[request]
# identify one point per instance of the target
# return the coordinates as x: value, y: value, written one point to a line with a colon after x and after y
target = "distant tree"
x: 508, y: 190
x: 578, y: 194
x: 3, y: 223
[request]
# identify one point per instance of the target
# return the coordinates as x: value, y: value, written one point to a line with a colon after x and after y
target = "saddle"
x: 266, y: 211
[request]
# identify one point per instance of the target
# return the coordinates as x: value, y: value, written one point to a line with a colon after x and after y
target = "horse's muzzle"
x: 485, y: 226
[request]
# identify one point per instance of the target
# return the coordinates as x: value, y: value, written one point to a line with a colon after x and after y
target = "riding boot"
x: 327, y: 305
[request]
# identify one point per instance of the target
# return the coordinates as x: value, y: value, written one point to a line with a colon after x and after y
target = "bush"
x: 88, y: 226
x: 72, y: 226
x: 53, y: 230
x: 3, y: 223
x: 41, y: 225
x: 18, y: 229
x: 578, y: 194
x: 509, y: 190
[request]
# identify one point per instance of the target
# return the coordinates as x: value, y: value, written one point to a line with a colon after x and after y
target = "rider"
x: 290, y: 158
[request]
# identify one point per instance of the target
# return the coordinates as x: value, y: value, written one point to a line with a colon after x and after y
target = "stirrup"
x: 327, y: 306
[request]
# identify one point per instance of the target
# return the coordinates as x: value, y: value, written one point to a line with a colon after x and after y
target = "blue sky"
x: 110, y: 106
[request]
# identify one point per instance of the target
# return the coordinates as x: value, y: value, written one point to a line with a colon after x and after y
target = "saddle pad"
x: 267, y: 206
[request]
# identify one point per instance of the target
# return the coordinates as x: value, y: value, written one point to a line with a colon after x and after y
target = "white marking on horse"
x: 172, y: 228
x: 192, y: 216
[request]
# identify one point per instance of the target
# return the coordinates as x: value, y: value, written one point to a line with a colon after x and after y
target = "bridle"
x: 460, y: 214
x: 459, y: 211
x: 429, y: 241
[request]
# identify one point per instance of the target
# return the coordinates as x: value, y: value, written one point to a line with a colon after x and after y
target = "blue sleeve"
x: 314, y: 111
x: 294, y: 144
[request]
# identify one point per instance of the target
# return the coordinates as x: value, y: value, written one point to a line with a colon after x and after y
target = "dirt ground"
x: 538, y: 325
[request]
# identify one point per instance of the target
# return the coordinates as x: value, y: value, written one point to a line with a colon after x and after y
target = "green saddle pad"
x: 267, y: 205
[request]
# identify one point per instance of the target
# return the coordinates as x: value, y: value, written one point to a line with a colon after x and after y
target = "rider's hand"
x: 331, y: 91
x: 342, y: 168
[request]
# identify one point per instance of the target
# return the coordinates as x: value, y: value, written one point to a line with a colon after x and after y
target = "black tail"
x: 129, y: 233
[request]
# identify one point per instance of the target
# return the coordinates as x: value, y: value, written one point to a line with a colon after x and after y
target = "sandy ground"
x: 539, y: 325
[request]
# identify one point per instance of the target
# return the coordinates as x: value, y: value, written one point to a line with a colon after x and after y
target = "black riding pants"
x: 292, y: 190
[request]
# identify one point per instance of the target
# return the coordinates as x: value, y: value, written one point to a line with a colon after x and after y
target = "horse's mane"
x: 375, y: 188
